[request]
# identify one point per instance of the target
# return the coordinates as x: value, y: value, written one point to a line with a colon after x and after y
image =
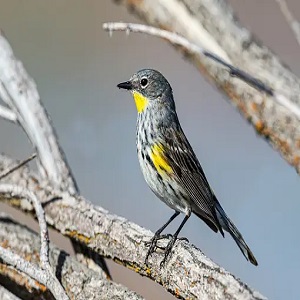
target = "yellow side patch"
x: 159, y: 160
x: 140, y: 101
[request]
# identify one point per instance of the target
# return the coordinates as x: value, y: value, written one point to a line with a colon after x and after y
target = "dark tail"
x: 227, y: 225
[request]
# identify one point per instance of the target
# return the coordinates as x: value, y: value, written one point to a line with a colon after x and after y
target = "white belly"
x: 163, y: 186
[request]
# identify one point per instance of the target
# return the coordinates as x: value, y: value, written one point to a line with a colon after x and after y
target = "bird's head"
x: 149, y: 87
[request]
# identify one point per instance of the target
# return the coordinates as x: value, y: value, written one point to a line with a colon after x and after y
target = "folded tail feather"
x: 227, y: 225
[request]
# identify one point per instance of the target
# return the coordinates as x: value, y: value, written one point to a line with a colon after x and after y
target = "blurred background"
x: 76, y: 67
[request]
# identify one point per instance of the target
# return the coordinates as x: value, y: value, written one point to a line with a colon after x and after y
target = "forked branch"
x: 80, y: 281
x: 44, y: 275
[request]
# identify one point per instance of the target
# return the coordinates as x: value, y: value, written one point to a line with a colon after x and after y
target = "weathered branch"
x: 211, y: 24
x: 19, y: 92
x: 7, y: 114
x: 188, y: 273
x: 44, y: 274
x: 78, y: 280
x: 15, y: 191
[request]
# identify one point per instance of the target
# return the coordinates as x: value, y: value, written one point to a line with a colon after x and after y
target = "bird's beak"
x: 127, y: 85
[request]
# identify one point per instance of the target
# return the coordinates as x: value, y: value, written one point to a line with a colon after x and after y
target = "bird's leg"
x: 173, y: 240
x: 157, y: 237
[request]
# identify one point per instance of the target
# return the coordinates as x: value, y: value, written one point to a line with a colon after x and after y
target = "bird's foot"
x: 168, y: 251
x: 169, y: 247
x: 152, y: 244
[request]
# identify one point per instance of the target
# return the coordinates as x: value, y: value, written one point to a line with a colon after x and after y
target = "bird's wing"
x: 189, y: 173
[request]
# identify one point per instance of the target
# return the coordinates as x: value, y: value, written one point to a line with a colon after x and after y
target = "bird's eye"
x: 144, y: 82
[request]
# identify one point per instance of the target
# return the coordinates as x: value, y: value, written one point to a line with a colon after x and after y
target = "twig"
x: 7, y: 114
x: 178, y: 40
x: 19, y: 165
x: 172, y: 37
x: 292, y: 22
x: 45, y: 274
x: 24, y: 266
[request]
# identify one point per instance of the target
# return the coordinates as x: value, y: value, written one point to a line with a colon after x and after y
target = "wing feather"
x: 190, y: 175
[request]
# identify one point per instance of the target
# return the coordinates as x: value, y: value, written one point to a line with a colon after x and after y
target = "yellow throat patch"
x: 141, y: 102
x: 159, y: 160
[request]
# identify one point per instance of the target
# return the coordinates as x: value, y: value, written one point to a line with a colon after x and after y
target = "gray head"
x: 149, y: 87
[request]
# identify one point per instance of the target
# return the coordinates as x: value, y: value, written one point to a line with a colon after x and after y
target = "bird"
x: 169, y: 164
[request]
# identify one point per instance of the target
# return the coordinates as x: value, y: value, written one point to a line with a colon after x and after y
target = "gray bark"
x: 79, y: 281
x: 43, y: 273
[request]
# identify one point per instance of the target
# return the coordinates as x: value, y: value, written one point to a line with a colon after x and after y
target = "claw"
x: 152, y: 244
x: 162, y: 263
x: 168, y: 251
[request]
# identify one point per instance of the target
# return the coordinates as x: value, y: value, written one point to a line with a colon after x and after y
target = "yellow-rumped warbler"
x: 169, y: 164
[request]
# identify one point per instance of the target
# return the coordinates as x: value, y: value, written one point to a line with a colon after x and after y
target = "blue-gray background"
x: 77, y: 66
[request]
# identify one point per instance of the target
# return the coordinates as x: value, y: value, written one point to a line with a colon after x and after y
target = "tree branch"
x: 178, y: 40
x: 45, y: 274
x: 19, y: 92
x: 211, y: 25
x: 7, y: 114
x: 78, y: 280
x: 188, y: 273
x: 19, y: 192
